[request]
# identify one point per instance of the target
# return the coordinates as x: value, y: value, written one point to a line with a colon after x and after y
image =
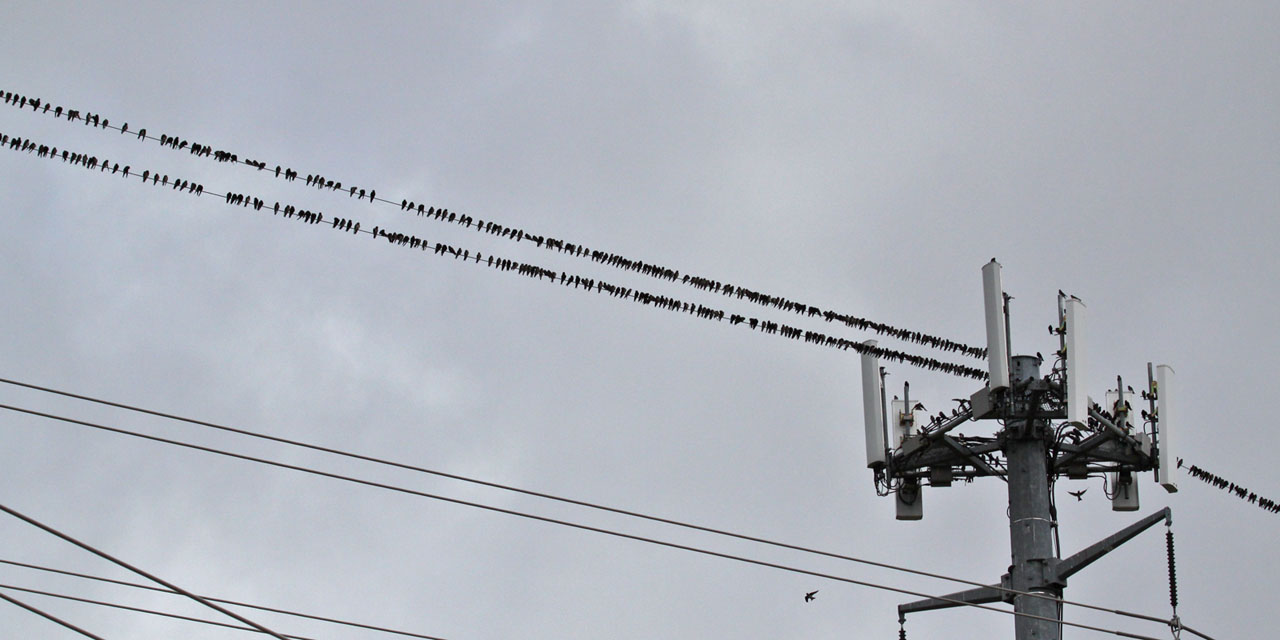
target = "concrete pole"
x: 1030, y: 520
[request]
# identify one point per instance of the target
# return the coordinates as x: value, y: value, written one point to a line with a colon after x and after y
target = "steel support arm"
x: 969, y: 456
x: 979, y: 595
x: 1085, y: 557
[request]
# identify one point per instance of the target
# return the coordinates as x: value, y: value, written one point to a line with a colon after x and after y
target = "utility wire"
x: 576, y: 502
x: 576, y: 249
x: 153, y: 612
x: 1238, y: 491
x: 148, y: 587
x: 48, y: 529
x: 50, y: 617
x: 529, y: 270
x: 546, y: 519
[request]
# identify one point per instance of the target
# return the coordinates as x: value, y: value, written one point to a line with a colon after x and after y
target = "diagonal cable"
x: 549, y: 520
x: 102, y: 554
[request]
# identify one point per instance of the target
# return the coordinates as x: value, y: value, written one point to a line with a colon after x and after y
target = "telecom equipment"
x: 1049, y: 428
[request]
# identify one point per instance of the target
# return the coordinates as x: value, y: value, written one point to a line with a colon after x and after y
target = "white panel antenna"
x: 1165, y: 419
x: 997, y: 347
x: 873, y: 408
x: 1077, y: 401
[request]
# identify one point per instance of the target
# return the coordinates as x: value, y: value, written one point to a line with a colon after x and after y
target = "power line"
x: 573, y: 501
x: 223, y: 601
x: 48, y: 529
x: 153, y: 612
x: 49, y: 616
x: 546, y: 519
x: 575, y: 249
x: 529, y: 270
x: 1238, y: 491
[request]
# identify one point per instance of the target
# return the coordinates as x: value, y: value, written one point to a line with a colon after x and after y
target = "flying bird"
x: 808, y: 597
x: 1079, y: 495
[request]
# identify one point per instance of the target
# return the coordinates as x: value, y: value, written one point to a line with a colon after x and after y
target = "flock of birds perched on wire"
x: 576, y: 249
x: 1231, y: 487
x: 533, y: 271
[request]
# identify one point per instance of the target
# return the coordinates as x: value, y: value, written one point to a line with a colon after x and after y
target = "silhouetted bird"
x: 1079, y: 495
x: 808, y: 597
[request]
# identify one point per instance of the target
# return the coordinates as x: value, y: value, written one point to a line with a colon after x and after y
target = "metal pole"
x: 1030, y: 520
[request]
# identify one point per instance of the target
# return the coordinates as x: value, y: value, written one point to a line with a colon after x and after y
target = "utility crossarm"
x: 1104, y: 448
x: 1069, y: 566
x: 945, y: 451
x: 977, y: 595
x: 1074, y: 451
x: 1057, y: 572
x: 969, y: 456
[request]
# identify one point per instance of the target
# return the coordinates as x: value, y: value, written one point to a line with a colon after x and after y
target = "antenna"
x: 872, y: 412
x: 997, y: 347
x: 1077, y: 401
x: 1164, y: 422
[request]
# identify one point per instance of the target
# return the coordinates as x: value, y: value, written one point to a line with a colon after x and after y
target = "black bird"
x: 1079, y: 495
x: 808, y: 597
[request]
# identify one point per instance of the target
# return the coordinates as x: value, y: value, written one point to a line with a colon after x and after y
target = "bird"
x: 808, y: 597
x: 1079, y: 495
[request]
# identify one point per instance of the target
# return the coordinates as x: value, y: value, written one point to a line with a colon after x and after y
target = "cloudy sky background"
x: 862, y: 157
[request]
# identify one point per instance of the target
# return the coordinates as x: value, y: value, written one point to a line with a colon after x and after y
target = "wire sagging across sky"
x: 1238, y: 491
x: 549, y: 520
x: 287, y: 612
x: 547, y: 496
x: 248, y: 202
x: 576, y: 249
x: 102, y: 554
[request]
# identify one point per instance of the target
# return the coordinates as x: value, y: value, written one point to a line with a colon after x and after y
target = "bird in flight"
x: 810, y: 596
x: 1078, y: 494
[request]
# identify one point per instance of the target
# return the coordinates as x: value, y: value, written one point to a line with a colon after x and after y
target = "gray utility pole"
x: 1031, y: 520
x: 908, y: 450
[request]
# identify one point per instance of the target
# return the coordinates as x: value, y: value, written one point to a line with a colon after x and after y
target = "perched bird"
x: 1079, y: 495
x: 808, y: 597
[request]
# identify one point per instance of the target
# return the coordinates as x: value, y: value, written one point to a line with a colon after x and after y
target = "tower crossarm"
x: 1069, y: 566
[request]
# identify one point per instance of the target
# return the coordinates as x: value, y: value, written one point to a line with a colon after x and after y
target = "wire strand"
x: 153, y: 612
x: 49, y: 616
x: 577, y: 249
x: 529, y: 270
x: 573, y: 501
x: 287, y: 612
x: 106, y: 556
x: 549, y: 520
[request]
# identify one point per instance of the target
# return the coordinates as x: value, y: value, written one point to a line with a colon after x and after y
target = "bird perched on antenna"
x: 808, y: 597
x: 1079, y: 495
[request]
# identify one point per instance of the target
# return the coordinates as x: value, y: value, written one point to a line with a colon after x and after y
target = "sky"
x: 864, y: 157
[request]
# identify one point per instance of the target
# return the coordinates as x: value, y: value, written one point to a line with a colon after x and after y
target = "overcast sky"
x: 863, y: 157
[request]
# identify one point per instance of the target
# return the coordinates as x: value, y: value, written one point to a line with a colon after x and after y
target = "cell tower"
x: 1048, y: 428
